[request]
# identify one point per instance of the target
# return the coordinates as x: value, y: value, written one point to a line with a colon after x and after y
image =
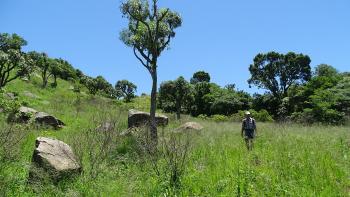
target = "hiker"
x: 248, y: 130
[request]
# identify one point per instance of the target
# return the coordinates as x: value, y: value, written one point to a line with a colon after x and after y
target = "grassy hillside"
x: 287, y: 160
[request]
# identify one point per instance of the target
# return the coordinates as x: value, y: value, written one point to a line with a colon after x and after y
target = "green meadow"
x: 287, y: 159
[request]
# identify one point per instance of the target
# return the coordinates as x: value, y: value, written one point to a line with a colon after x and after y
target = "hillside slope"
x: 287, y: 160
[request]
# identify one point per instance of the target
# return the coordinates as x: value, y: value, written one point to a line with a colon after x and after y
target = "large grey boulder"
x: 27, y: 114
x: 139, y: 119
x: 47, y: 119
x: 24, y: 114
x: 53, y: 157
x: 191, y: 126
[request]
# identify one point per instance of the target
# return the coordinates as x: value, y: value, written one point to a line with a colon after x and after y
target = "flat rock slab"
x: 24, y: 114
x: 54, y: 157
x: 47, y: 119
x: 140, y: 118
x: 191, y: 126
x: 27, y: 114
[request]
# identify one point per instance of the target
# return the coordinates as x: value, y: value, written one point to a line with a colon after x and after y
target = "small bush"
x: 203, y: 116
x: 263, y: 116
x: 8, y: 105
x: 219, y: 118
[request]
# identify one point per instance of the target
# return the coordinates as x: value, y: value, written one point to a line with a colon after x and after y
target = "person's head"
x: 247, y: 114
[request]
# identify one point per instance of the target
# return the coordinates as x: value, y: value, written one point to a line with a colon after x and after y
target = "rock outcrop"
x: 139, y: 118
x: 191, y: 126
x: 47, y: 119
x: 53, y: 157
x: 26, y: 115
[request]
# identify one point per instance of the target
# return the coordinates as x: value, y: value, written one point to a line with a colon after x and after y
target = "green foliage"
x: 323, y: 104
x: 175, y: 95
x: 260, y: 116
x: 324, y: 70
x: 219, y: 118
x: 99, y: 85
x: 201, y: 99
x: 149, y: 29
x: 322, y: 99
x: 200, y: 76
x: 342, y: 94
x: 45, y: 65
x: 125, y: 89
x: 287, y: 159
x: 149, y: 33
x: 12, y: 60
x: 8, y: 105
x: 67, y: 71
x: 277, y: 72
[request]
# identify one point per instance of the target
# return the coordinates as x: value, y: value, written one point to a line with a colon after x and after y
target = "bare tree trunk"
x: 43, y: 75
x: 55, y: 79
x: 178, y: 110
x: 153, y: 123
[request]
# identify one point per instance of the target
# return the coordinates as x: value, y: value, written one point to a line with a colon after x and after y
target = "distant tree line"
x: 201, y: 97
x: 294, y: 92
x: 14, y: 63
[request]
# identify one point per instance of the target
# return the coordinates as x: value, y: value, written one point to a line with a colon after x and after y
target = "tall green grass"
x: 287, y: 160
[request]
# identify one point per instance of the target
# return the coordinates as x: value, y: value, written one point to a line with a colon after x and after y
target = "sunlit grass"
x: 287, y: 160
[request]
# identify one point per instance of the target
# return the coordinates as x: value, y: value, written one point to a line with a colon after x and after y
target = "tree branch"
x: 165, y: 44
x: 142, y: 62
x: 143, y: 54
x: 143, y: 22
x: 157, y: 28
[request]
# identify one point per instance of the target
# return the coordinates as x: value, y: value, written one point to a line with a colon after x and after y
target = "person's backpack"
x: 245, y: 124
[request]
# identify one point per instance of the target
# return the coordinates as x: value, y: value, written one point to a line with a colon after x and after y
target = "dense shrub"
x: 261, y: 116
x: 8, y: 105
x: 327, y: 116
x: 219, y: 118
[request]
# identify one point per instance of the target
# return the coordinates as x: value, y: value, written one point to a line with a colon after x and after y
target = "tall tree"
x: 126, y: 88
x: 67, y: 70
x: 200, y: 76
x: 44, y: 64
x: 175, y: 94
x: 55, y: 70
x: 325, y: 70
x: 12, y: 60
x: 277, y: 72
x: 149, y: 32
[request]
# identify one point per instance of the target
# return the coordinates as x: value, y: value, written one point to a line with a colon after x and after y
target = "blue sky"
x: 221, y: 37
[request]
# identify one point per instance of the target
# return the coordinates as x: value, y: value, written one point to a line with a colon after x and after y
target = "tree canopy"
x: 200, y: 76
x: 277, y: 72
x: 126, y: 89
x: 175, y: 95
x: 12, y: 60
